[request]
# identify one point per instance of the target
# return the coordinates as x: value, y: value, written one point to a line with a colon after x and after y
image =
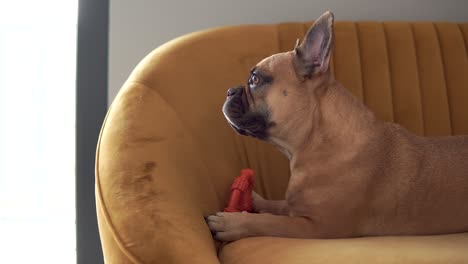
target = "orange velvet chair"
x: 166, y: 156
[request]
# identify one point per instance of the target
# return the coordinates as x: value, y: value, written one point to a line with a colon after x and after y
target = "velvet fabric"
x: 166, y: 155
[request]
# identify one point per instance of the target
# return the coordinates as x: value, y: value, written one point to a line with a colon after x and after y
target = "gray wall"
x: 139, y: 26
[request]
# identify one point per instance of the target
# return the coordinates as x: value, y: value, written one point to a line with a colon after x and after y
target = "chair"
x: 166, y: 155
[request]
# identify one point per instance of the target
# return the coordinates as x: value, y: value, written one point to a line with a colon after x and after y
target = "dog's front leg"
x: 276, y: 207
x: 234, y: 226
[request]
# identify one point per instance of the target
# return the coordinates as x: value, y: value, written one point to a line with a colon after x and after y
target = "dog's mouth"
x: 242, y: 120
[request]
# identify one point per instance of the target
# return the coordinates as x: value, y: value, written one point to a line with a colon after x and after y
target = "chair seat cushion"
x: 413, y: 249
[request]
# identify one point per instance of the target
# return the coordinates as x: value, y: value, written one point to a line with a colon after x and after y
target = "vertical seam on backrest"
x: 447, y: 92
x: 464, y: 39
x: 332, y: 64
x: 360, y: 62
x: 418, y: 79
x: 389, y: 70
x: 460, y: 31
x: 332, y: 56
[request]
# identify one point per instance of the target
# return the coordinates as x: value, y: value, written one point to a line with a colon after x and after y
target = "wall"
x: 139, y: 26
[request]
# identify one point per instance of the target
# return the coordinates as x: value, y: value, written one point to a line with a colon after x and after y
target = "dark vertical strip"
x: 418, y: 72
x: 361, y: 70
x: 91, y: 107
x: 447, y: 91
x: 464, y: 38
x: 392, y: 90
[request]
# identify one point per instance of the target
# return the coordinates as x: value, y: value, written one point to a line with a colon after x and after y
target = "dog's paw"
x: 228, y: 226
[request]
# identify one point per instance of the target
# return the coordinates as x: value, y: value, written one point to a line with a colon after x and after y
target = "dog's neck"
x: 339, y: 126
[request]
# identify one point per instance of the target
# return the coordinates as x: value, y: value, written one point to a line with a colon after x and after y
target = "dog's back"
x: 423, y: 187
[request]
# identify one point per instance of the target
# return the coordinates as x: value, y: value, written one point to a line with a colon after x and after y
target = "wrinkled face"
x: 268, y: 98
x: 278, y: 91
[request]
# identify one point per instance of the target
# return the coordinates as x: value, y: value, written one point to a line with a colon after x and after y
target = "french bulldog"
x: 352, y: 175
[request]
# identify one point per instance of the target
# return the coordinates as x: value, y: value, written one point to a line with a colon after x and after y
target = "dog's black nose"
x: 231, y: 91
x: 235, y: 90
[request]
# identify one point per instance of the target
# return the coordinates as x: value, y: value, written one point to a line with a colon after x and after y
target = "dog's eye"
x: 254, y: 80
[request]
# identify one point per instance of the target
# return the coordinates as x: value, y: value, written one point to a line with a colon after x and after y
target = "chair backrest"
x: 415, y: 74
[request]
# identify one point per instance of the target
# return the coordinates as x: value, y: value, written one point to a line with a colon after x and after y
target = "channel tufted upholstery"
x: 166, y: 156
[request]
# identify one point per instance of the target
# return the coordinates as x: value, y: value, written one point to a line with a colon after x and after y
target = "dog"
x: 352, y: 175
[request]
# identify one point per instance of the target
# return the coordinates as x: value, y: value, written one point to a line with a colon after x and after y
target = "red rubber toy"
x: 241, y: 192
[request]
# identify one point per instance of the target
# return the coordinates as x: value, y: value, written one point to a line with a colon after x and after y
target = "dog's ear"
x: 312, y: 56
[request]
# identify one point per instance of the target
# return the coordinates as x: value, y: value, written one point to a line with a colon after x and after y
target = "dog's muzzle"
x: 235, y: 108
x: 241, y: 118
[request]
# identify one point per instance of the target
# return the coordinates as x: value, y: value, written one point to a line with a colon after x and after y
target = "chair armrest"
x: 152, y: 191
